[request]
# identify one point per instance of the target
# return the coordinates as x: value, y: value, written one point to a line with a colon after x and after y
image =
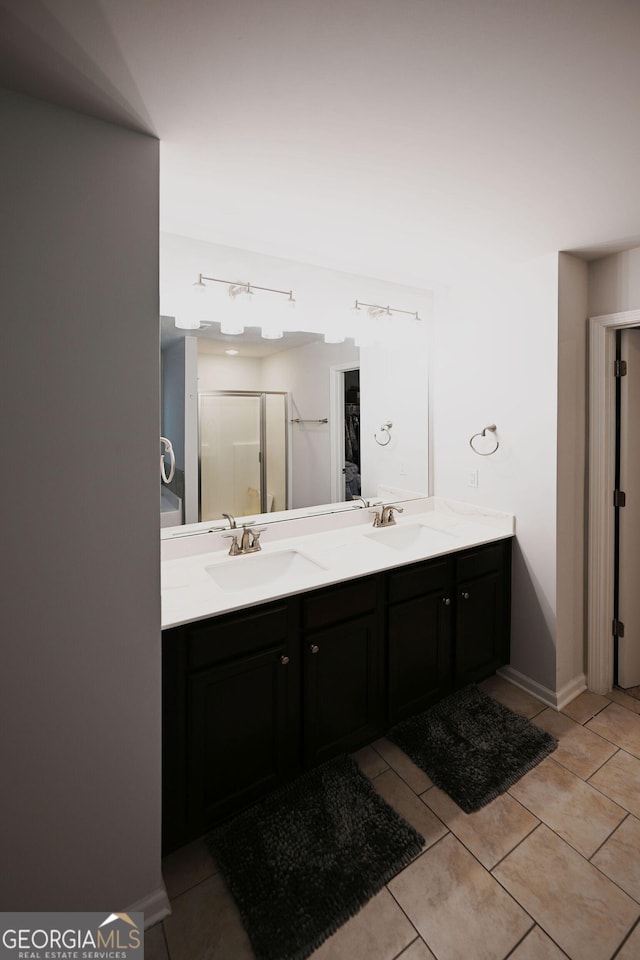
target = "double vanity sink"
x: 207, y: 581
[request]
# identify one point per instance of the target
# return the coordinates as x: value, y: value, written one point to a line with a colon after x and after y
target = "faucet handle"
x: 255, y: 538
x: 234, y: 549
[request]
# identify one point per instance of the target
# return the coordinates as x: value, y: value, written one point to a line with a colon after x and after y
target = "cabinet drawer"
x: 419, y: 579
x: 481, y: 560
x: 235, y: 634
x: 338, y: 603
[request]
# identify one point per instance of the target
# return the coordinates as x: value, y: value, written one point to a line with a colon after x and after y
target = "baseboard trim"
x: 155, y: 907
x: 556, y: 699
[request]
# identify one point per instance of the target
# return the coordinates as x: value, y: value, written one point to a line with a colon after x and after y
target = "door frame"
x: 601, y: 482
x: 336, y: 426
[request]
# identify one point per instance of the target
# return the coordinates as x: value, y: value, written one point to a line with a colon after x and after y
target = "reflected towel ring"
x: 383, y: 429
x: 492, y: 429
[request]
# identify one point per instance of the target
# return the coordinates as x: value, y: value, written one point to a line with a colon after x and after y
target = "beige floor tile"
x: 619, y: 779
x: 577, y: 906
x: 554, y: 795
x: 186, y: 867
x: 619, y: 858
x: 155, y: 947
x: 585, y: 706
x: 620, y: 726
x: 579, y: 750
x: 460, y: 911
x: 619, y: 696
x: 205, y: 925
x: 537, y: 946
x: 404, y: 801
x: 511, y: 696
x: 370, y: 762
x: 631, y: 949
x: 404, y: 767
x: 490, y: 833
x: 378, y: 932
x: 417, y: 951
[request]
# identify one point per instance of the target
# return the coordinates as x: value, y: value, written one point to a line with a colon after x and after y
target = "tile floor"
x: 549, y: 870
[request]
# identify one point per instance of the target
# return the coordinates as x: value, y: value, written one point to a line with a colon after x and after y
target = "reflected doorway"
x: 242, y: 453
x: 351, y: 467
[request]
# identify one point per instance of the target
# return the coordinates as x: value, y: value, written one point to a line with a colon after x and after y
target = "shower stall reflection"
x: 242, y: 453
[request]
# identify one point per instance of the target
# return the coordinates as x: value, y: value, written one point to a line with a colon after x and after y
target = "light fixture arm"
x: 386, y: 310
x: 235, y: 287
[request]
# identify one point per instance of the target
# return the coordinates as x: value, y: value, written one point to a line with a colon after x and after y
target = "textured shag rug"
x: 309, y: 856
x: 472, y: 747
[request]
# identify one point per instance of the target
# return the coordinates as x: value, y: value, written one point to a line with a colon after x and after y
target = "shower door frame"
x: 262, y: 395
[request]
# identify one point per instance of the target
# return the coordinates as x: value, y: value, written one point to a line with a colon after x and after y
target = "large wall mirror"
x: 280, y: 427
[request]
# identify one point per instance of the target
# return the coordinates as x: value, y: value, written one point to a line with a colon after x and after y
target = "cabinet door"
x: 419, y: 653
x: 342, y: 691
x: 481, y: 626
x: 238, y: 737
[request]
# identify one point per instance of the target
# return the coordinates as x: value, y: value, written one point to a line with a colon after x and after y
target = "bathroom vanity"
x: 259, y: 691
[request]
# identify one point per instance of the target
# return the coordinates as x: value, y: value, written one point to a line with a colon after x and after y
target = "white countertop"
x: 296, y: 557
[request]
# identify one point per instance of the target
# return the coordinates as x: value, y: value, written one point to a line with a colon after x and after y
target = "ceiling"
x: 412, y: 140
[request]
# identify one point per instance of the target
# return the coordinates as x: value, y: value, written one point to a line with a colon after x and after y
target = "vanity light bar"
x: 235, y: 287
x: 386, y: 310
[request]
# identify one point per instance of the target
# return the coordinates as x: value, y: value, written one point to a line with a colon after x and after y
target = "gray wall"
x: 80, y: 598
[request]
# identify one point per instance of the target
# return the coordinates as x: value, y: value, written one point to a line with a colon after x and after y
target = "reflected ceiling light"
x: 232, y: 353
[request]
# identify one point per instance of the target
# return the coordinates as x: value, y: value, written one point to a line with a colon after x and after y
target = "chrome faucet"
x: 385, y: 517
x: 362, y: 501
x: 232, y: 521
x: 249, y: 539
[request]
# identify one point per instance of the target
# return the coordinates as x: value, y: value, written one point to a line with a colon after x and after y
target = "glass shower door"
x: 230, y: 442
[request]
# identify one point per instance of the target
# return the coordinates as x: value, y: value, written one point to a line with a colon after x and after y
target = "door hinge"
x: 617, y: 628
x: 620, y: 368
x: 619, y: 498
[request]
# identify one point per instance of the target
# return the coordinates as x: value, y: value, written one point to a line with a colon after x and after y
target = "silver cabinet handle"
x: 465, y: 595
x: 313, y: 648
x: 446, y: 601
x: 284, y: 660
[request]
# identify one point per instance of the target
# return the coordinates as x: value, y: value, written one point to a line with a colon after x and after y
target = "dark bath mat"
x: 309, y: 856
x: 472, y: 747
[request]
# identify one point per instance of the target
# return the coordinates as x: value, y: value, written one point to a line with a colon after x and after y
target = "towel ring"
x: 383, y: 429
x: 492, y: 429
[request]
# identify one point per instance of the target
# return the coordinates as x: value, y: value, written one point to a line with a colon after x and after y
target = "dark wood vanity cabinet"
x: 482, y: 611
x: 251, y: 698
x: 419, y: 636
x: 342, y: 689
x: 230, y: 715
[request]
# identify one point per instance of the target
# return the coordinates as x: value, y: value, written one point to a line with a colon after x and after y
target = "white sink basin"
x: 411, y: 536
x: 257, y: 569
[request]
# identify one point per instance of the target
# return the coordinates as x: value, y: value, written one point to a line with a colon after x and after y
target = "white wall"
x: 81, y: 665
x: 614, y: 283
x: 495, y: 360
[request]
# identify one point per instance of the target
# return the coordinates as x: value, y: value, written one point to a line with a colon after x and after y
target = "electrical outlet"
x: 472, y: 478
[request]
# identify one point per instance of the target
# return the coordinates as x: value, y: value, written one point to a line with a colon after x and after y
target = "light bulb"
x: 186, y: 323
x: 334, y: 337
x: 271, y: 333
x: 232, y: 326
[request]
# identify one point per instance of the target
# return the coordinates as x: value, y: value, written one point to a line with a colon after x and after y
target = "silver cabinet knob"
x: 313, y: 648
x: 446, y: 601
x: 465, y: 595
x: 284, y: 661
